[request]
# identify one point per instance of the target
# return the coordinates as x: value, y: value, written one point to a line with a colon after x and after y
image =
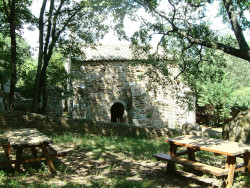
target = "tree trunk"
x: 245, y: 50
x: 13, y: 55
x: 45, y: 97
x: 46, y: 58
x: 37, y: 91
x: 44, y: 88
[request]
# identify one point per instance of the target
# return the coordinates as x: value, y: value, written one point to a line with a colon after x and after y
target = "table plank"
x: 26, y: 137
x: 210, y: 144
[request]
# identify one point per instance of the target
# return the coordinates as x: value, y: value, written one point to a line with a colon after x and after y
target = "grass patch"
x: 138, y: 149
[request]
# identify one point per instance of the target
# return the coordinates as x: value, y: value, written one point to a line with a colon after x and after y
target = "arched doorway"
x: 117, y: 112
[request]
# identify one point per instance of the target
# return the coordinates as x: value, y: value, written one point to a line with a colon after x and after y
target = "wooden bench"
x: 193, y: 164
x: 57, y: 151
x: 60, y: 151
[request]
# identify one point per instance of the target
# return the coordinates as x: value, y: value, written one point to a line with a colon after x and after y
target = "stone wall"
x: 238, y: 129
x: 4, y: 94
x: 100, y: 84
x: 55, y: 102
x: 16, y: 119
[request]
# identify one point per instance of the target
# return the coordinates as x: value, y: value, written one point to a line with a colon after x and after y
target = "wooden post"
x: 246, y: 157
x: 191, y: 154
x: 231, y: 163
x: 7, y: 150
x: 227, y: 162
x: 173, y: 149
x: 49, y: 162
x: 19, y: 151
x: 172, y: 152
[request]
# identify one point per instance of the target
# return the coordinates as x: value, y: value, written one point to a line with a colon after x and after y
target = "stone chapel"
x: 108, y: 88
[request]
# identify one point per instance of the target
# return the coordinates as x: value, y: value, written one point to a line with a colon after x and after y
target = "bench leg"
x: 171, y: 165
x: 246, y: 157
x: 49, y: 162
x: 231, y: 163
x: 191, y: 154
x: 19, y: 152
x: 7, y: 150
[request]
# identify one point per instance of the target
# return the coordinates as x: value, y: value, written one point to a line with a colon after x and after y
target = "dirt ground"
x: 107, y: 168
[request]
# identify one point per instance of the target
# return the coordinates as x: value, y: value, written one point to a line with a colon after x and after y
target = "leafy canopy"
x: 188, y: 21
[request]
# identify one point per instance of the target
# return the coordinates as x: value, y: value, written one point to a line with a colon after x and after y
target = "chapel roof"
x: 106, y: 52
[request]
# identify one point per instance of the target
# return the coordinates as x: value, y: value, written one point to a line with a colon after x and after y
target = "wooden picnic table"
x: 33, y: 139
x: 196, y: 143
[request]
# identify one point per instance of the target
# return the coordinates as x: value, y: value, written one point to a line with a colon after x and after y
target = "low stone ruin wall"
x: 15, y: 119
x: 238, y: 129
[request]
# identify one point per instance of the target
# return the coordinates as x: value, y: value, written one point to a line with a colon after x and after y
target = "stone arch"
x: 117, y: 112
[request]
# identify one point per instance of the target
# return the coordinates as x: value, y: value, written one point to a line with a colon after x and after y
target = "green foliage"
x: 215, y: 97
x: 22, y: 14
x: 241, y: 99
x: 14, y: 13
x: 4, y: 58
x: 57, y: 75
x: 221, y: 88
x: 25, y: 84
x: 238, y: 70
x: 202, y: 31
x: 23, y: 54
x: 211, y: 86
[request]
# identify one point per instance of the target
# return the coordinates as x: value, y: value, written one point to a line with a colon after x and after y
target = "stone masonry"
x: 106, y: 84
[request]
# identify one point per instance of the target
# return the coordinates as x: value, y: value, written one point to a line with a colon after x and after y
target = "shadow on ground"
x: 101, y: 168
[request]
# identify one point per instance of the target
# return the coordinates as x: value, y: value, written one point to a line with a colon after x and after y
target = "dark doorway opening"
x: 117, y: 112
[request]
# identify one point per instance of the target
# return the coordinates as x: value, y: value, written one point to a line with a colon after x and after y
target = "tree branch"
x: 211, y: 44
x: 56, y: 35
x: 48, y: 30
x: 245, y: 50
